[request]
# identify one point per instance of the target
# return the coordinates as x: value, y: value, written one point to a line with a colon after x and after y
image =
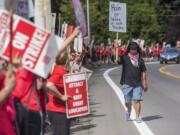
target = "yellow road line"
x: 163, y: 71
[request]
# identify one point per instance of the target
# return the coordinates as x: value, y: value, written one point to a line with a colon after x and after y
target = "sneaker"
x: 138, y: 120
x: 127, y: 116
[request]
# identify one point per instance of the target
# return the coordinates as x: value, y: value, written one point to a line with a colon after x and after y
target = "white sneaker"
x: 127, y: 116
x: 138, y: 120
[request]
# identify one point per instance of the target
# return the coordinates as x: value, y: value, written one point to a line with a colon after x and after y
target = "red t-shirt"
x: 6, y: 120
x: 156, y: 52
x: 55, y: 104
x: 23, y: 88
x: 121, y: 51
x: 102, y: 52
x: 108, y: 52
x: 96, y: 52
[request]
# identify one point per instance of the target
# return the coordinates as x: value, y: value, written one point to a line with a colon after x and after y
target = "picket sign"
x: 53, y: 26
x: 43, y: 17
x: 23, y: 8
x: 78, y: 43
x: 80, y: 17
x: 64, y: 31
x: 117, y: 17
x: 76, y: 87
x: 37, y: 47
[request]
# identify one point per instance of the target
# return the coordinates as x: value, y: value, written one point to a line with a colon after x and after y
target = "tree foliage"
x: 152, y: 20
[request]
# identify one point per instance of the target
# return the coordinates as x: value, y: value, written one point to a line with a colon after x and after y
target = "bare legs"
x: 137, y: 107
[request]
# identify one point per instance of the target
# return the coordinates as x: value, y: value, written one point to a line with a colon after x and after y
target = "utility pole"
x: 88, y: 21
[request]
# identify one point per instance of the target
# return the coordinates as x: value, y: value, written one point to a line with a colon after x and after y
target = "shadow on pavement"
x: 93, y: 115
x: 85, y: 124
x: 82, y: 127
x: 93, y: 103
x: 150, y: 118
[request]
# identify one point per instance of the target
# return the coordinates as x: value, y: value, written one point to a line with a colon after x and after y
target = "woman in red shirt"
x: 55, y: 86
x: 56, y: 106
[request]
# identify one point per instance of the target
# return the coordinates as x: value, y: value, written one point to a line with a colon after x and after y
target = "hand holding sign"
x: 37, y: 47
x: 16, y: 61
x: 10, y: 81
x: 70, y: 39
x: 76, y: 31
x: 65, y: 98
x: 76, y: 85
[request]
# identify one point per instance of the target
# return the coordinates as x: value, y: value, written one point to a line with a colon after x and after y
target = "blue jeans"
x: 132, y: 93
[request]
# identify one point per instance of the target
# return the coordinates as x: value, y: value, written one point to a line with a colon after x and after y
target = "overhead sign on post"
x: 78, y: 44
x: 36, y: 47
x: 117, y: 17
x: 76, y: 87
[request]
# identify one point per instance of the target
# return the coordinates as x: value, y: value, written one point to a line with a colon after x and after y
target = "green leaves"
x: 146, y: 19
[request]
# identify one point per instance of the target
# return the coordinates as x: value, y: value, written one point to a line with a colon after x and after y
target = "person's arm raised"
x: 70, y: 38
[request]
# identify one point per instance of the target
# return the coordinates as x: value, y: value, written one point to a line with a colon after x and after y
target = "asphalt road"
x: 160, y: 110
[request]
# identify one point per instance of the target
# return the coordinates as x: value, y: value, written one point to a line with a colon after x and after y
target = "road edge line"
x: 142, y: 127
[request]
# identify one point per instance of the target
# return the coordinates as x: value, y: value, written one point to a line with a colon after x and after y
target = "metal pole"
x: 88, y: 21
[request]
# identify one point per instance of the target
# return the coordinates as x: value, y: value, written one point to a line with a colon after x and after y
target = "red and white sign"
x: 37, y: 47
x: 76, y: 87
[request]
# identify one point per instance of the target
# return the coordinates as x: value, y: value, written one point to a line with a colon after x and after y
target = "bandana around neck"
x: 134, y: 59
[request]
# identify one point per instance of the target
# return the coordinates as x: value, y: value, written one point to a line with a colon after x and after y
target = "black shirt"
x: 131, y: 75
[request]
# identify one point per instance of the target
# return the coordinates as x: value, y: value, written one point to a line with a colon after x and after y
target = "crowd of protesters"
x: 100, y: 54
x: 27, y: 100
x: 29, y: 103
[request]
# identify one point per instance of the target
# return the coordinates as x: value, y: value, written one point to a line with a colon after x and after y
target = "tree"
x: 146, y: 19
x: 169, y: 19
x: 143, y: 22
